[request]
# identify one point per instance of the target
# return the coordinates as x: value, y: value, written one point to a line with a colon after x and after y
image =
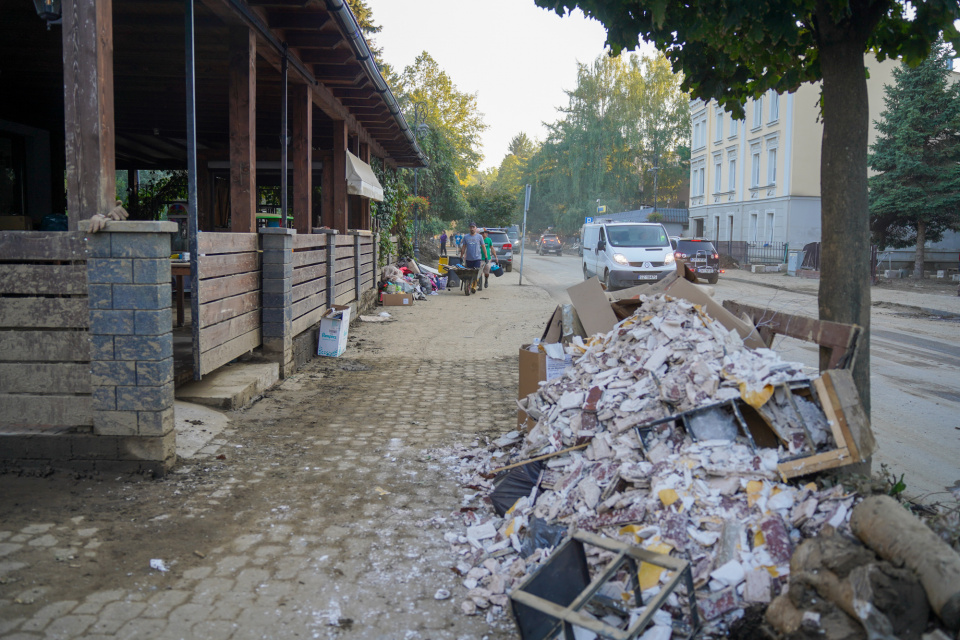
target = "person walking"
x: 471, y: 252
x: 459, y: 240
x: 443, y: 244
x: 489, y: 255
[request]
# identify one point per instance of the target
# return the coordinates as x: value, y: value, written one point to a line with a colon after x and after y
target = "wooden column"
x: 365, y: 222
x: 204, y: 195
x: 326, y: 193
x: 88, y: 108
x: 302, y: 158
x: 243, y: 130
x: 340, y: 134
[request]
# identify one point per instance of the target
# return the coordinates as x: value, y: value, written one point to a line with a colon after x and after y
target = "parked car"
x: 700, y: 256
x: 623, y: 254
x: 503, y: 246
x: 549, y: 243
x: 513, y: 232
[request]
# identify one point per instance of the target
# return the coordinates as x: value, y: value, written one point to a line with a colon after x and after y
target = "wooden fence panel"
x: 229, y: 297
x: 45, y: 377
x: 309, y: 280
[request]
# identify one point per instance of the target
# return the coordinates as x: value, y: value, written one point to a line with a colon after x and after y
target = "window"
x: 716, y: 227
x: 758, y: 112
x: 771, y: 166
x: 717, y: 188
x: 730, y: 228
x: 769, y: 226
x: 701, y: 181
x: 699, y: 227
x: 732, y: 178
x: 696, y: 135
x: 755, y: 169
x: 700, y: 131
x: 774, y: 106
x: 753, y: 228
x: 733, y: 127
x: 718, y: 134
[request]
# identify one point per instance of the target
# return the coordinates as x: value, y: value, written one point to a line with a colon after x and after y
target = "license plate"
x: 705, y: 270
x: 644, y: 276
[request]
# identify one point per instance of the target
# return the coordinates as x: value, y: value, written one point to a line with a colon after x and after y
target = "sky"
x: 516, y: 57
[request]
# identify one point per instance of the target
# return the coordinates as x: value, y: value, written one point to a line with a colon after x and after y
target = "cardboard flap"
x: 593, y: 308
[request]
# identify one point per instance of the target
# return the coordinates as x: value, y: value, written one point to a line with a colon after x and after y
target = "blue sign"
x: 588, y: 220
x: 602, y: 209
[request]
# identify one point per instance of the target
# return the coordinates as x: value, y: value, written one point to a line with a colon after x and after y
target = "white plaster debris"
x: 159, y: 565
x: 718, y: 503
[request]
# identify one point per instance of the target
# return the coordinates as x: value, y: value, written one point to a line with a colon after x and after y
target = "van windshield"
x: 637, y: 236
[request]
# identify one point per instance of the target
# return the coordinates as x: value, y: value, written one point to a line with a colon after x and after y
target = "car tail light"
x: 716, y: 256
x: 723, y: 270
x: 507, y: 246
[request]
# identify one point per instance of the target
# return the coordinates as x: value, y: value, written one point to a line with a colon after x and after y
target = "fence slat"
x: 304, y: 258
x: 44, y: 313
x: 309, y: 240
x: 220, y: 310
x: 43, y: 279
x: 44, y: 377
x: 222, y: 332
x: 211, y: 243
x: 219, y: 356
x: 214, y: 266
x: 56, y: 410
x: 42, y: 245
x: 44, y: 346
x: 313, y: 287
x: 313, y: 272
x: 227, y: 286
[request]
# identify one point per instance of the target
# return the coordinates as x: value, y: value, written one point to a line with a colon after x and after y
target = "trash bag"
x: 541, y: 535
x: 425, y: 283
x: 513, y: 485
x: 454, y: 280
x: 442, y: 282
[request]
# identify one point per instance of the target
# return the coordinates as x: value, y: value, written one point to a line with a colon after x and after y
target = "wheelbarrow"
x: 468, y: 278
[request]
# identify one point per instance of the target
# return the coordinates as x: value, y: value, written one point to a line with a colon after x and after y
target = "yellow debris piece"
x: 756, y: 399
x: 773, y: 572
x: 510, y: 528
x: 754, y: 490
x: 510, y: 510
x: 649, y: 574
x: 630, y: 528
x: 381, y: 491
x: 812, y: 486
x: 668, y: 497
x: 647, y: 318
x: 758, y: 539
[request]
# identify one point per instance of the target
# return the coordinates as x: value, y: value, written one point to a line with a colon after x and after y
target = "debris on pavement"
x: 159, y: 565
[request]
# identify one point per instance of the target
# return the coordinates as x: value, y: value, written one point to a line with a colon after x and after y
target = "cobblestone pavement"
x: 318, y: 513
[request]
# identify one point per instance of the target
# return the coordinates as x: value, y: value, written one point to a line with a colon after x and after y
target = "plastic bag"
x: 513, y: 485
x: 541, y: 535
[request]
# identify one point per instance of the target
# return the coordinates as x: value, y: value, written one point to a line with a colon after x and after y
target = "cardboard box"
x: 333, y: 331
x: 397, y: 299
x: 536, y: 367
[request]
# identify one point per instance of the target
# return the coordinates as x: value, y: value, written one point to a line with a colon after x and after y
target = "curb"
x: 876, y: 303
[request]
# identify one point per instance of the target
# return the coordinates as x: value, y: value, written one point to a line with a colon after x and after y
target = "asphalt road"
x: 915, y: 362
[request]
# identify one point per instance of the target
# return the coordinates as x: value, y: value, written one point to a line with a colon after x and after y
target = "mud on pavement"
x: 318, y: 513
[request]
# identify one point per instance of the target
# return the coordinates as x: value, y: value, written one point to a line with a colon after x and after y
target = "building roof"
x: 676, y: 216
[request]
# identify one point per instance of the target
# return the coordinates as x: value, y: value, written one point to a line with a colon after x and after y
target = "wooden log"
x: 222, y: 332
x: 215, y: 266
x: 220, y: 310
x: 44, y: 346
x: 42, y: 245
x: 209, y: 243
x: 48, y: 377
x: 224, y: 353
x: 228, y: 286
x: 45, y: 410
x: 896, y: 535
x: 44, y: 313
x: 42, y: 279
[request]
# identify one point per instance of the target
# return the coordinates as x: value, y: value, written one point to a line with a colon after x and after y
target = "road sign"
x: 588, y: 220
x: 601, y: 209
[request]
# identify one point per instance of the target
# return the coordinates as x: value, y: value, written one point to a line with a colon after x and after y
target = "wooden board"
x: 44, y: 346
x: 52, y: 313
x: 345, y: 275
x: 220, y: 333
x: 344, y: 240
x: 309, y: 240
x: 307, y: 320
x: 221, y: 355
x: 304, y: 258
x: 343, y: 252
x: 45, y: 410
x: 219, y: 310
x: 308, y: 304
x: 42, y: 245
x: 218, y: 288
x: 214, y: 266
x: 345, y: 298
x: 813, y: 464
x: 312, y: 272
x: 51, y: 378
x: 307, y: 289
x: 211, y: 242
x: 43, y: 279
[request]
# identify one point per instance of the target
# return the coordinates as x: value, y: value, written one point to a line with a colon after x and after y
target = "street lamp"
x: 419, y: 128
x: 48, y: 10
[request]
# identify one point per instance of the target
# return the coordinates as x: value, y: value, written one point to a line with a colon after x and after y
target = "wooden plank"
x: 305, y: 258
x: 829, y: 410
x: 214, y: 266
x: 42, y: 245
x: 228, y: 286
x: 210, y: 242
x: 221, y: 310
x: 45, y: 410
x: 312, y: 272
x: 854, y: 423
x: 43, y: 279
x: 221, y: 355
x: 344, y: 276
x: 346, y: 297
x: 307, y: 320
x: 344, y: 240
x: 44, y: 346
x: 307, y: 289
x: 222, y: 332
x: 51, y: 378
x: 305, y: 306
x: 47, y: 313
x: 813, y: 464
x: 341, y: 253
x: 309, y: 240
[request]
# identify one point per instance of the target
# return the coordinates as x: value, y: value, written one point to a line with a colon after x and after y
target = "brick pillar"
x: 277, y: 244
x: 131, y: 333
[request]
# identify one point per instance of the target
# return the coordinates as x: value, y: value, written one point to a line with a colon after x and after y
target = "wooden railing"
x: 229, y: 297
x: 45, y: 379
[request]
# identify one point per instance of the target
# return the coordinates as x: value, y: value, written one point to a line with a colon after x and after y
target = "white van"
x: 624, y: 254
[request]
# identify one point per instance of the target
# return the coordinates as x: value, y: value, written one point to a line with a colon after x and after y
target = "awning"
x: 361, y: 180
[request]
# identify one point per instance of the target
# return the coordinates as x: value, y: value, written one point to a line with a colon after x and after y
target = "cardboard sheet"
x: 593, y: 307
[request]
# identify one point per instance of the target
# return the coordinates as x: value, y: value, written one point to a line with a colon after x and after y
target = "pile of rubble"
x: 715, y: 501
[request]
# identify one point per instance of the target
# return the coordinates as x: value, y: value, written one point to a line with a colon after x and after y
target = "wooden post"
x: 88, y: 108
x: 340, y: 134
x: 302, y: 158
x: 365, y: 222
x: 243, y: 130
x: 204, y: 195
x: 357, y: 274
x: 326, y: 193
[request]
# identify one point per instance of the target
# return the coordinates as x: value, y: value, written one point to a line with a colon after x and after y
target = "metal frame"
x: 568, y: 616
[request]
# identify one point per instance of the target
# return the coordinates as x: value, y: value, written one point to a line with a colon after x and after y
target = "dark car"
x: 503, y: 246
x: 549, y: 243
x: 700, y: 256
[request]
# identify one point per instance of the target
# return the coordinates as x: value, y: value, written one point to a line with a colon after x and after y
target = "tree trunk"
x: 845, y: 221
x: 920, y: 255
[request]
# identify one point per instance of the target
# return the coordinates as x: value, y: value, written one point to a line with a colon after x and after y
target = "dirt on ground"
x: 319, y: 512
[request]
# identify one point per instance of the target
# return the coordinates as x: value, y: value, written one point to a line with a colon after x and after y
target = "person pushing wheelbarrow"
x: 471, y: 253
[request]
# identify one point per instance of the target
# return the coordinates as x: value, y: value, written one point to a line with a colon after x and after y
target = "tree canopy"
x: 915, y: 196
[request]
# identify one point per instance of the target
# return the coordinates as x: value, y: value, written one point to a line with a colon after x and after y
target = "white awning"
x: 361, y: 181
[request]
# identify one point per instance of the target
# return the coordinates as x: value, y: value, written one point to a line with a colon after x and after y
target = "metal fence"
x: 753, y: 252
